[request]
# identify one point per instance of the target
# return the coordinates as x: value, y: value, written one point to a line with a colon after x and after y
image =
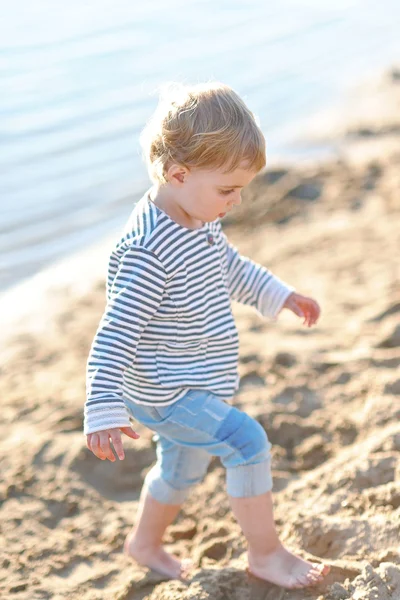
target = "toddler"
x: 166, y: 350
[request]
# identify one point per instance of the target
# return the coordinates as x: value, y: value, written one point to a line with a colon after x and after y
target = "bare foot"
x: 158, y: 559
x: 286, y: 569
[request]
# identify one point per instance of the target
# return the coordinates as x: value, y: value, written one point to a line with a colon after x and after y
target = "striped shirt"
x: 168, y: 324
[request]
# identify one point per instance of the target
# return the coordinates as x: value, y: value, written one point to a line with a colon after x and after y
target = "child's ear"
x: 180, y: 176
x: 177, y: 174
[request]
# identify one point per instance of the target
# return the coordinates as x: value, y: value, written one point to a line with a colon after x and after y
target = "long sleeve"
x: 252, y: 284
x: 133, y: 298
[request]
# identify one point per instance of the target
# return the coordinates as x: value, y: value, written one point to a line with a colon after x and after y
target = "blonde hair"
x: 205, y: 125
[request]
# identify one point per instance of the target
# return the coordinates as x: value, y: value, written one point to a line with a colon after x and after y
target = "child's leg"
x: 160, y: 503
x: 249, y: 484
x: 152, y: 519
x: 144, y: 541
x: 268, y: 558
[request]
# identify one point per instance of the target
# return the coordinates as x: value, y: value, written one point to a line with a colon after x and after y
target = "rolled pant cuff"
x: 245, y: 481
x: 163, y: 492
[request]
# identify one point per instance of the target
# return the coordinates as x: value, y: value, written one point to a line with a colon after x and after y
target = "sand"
x: 328, y: 397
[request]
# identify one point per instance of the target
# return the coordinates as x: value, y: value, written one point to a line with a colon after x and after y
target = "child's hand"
x: 303, y: 307
x: 98, y: 442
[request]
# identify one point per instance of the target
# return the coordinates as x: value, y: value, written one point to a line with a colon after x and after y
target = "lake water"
x: 79, y: 79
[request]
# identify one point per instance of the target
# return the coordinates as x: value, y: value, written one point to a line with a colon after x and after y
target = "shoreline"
x: 70, y: 272
x: 298, y: 154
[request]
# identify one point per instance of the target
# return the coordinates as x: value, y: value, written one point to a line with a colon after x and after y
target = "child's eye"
x: 225, y: 192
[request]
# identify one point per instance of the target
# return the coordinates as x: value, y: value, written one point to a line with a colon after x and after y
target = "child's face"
x: 209, y: 194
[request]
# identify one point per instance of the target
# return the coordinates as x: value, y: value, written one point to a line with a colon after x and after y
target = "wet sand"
x: 328, y: 397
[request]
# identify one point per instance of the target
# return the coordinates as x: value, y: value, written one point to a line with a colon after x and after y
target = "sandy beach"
x: 328, y: 397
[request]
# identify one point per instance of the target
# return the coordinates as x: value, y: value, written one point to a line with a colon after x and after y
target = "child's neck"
x: 164, y: 199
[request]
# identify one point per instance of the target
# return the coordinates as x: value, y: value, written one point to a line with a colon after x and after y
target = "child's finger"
x: 316, y: 309
x: 95, y: 446
x: 117, y: 442
x: 130, y: 433
x: 105, y: 445
x: 316, y: 316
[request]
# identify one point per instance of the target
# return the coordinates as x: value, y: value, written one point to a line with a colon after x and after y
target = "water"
x: 79, y: 79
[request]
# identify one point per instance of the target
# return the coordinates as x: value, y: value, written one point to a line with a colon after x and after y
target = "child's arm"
x: 133, y: 298
x: 251, y: 283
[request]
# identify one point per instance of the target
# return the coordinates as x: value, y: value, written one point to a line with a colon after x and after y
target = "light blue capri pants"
x: 192, y: 430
